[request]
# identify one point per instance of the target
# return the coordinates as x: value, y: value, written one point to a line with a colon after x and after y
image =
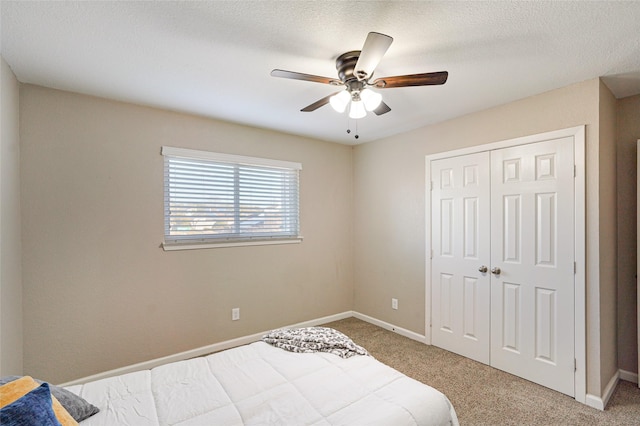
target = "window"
x: 213, y: 200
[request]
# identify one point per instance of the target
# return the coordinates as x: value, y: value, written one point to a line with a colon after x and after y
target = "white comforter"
x: 259, y: 384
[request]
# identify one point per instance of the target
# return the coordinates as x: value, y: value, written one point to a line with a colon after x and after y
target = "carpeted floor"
x: 483, y: 395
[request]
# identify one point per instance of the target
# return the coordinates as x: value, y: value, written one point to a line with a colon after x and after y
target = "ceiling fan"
x: 355, y: 72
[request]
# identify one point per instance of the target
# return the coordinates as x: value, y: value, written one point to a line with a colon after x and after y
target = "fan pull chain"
x: 349, y: 130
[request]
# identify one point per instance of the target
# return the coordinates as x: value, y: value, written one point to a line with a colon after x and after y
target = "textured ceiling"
x: 214, y: 58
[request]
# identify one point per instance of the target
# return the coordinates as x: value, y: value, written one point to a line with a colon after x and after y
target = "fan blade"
x: 375, y: 46
x: 382, y: 109
x: 426, y: 79
x: 306, y: 77
x: 317, y: 104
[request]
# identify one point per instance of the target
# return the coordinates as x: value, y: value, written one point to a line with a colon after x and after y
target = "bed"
x: 263, y: 384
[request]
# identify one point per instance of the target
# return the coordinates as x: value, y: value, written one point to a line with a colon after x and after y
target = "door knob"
x: 495, y: 271
x: 483, y: 269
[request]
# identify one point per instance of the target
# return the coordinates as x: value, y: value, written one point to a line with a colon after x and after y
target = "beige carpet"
x: 483, y: 395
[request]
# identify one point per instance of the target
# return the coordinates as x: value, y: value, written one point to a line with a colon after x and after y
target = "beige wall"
x: 99, y: 293
x: 608, y: 244
x: 389, y: 189
x: 627, y: 135
x: 10, y: 244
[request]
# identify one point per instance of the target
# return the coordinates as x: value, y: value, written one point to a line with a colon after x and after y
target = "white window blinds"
x: 212, y: 198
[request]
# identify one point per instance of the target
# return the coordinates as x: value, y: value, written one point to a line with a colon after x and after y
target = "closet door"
x: 532, y: 260
x: 460, y: 249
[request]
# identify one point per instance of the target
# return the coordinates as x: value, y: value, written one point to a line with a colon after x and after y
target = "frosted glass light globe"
x: 340, y: 101
x: 371, y: 99
x: 357, y: 109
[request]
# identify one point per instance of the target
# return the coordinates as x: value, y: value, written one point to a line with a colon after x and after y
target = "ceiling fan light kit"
x: 355, y: 72
x: 359, y: 102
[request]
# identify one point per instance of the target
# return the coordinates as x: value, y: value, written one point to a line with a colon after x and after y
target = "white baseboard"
x: 204, y: 350
x: 600, y: 403
x: 594, y: 402
x: 628, y: 376
x: 401, y: 331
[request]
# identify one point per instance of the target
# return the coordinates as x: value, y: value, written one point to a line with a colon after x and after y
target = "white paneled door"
x: 509, y: 210
x: 532, y: 235
x: 461, y: 255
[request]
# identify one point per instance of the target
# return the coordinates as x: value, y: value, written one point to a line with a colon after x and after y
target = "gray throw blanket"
x: 314, y: 339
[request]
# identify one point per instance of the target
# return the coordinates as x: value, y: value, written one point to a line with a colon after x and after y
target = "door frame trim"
x: 578, y: 133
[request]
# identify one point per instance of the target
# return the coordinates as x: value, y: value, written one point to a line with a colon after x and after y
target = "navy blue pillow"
x: 33, y: 409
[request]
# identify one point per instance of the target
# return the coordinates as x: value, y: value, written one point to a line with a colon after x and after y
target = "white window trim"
x: 228, y: 158
x: 196, y: 246
x: 193, y: 244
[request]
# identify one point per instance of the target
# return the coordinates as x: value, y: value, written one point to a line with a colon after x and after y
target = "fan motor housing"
x: 346, y: 64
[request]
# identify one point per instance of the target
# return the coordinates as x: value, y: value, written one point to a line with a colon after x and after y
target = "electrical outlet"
x: 235, y: 314
x: 394, y: 303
